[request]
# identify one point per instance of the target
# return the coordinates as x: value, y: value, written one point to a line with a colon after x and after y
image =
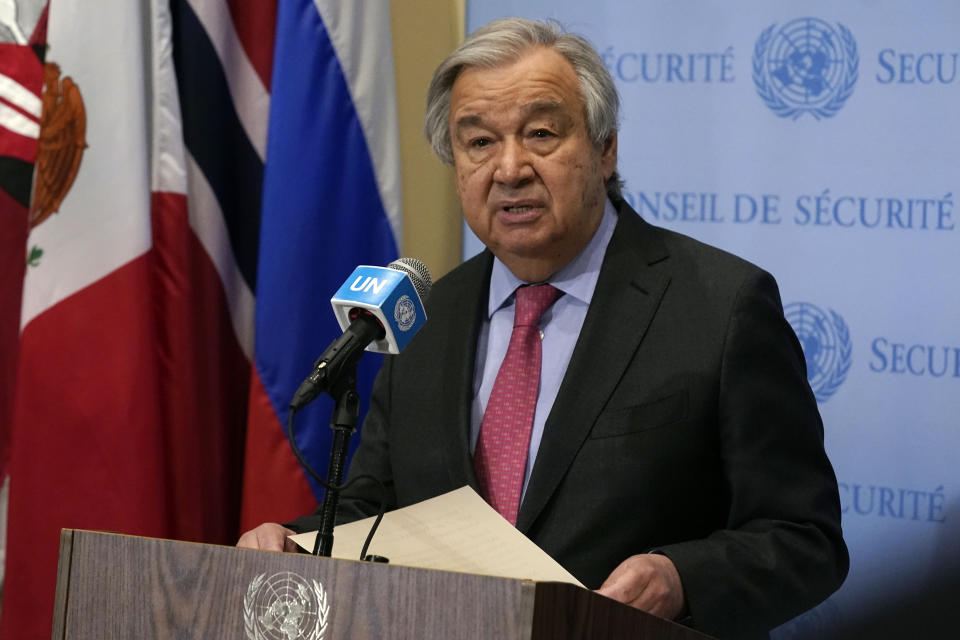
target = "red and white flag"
x: 132, y: 382
x: 23, y: 30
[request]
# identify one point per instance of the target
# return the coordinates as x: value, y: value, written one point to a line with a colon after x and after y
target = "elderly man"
x: 633, y: 400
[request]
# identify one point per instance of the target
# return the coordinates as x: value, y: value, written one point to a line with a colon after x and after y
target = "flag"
x: 130, y: 402
x: 206, y: 194
x: 331, y: 201
x: 21, y: 80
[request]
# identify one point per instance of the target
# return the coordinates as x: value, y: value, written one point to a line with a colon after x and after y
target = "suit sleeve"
x: 781, y: 551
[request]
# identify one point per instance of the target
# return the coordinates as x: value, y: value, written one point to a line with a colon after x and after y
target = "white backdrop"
x: 819, y: 140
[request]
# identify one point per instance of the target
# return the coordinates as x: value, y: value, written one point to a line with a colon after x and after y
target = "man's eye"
x: 479, y: 143
x: 541, y: 133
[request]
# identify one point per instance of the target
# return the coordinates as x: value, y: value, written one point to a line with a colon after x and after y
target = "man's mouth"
x: 521, y: 208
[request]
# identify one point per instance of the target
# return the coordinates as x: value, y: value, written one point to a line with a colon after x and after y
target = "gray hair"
x: 504, y: 41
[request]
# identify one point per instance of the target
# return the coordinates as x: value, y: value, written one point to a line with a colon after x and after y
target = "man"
x: 675, y: 459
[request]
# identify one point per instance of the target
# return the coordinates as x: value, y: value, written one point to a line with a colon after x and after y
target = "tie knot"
x: 532, y: 301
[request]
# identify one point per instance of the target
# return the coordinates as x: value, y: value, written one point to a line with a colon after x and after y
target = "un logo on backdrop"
x: 807, y: 66
x: 825, y: 339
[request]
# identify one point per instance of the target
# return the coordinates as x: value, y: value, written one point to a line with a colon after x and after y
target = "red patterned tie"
x: 501, y: 453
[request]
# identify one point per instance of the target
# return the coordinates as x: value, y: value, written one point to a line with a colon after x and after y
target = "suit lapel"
x: 454, y: 365
x: 627, y: 295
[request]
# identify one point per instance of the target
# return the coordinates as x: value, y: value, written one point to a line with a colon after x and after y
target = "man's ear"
x: 608, y: 157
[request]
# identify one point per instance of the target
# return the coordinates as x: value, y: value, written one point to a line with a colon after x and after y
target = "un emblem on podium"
x: 807, y: 66
x: 826, y: 344
x: 285, y: 606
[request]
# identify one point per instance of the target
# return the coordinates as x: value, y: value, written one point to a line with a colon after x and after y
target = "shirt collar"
x: 577, y: 279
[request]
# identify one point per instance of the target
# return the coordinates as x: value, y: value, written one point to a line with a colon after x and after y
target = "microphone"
x: 393, y: 294
x: 380, y: 309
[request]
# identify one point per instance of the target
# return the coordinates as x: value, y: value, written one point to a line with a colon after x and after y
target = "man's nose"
x: 513, y: 164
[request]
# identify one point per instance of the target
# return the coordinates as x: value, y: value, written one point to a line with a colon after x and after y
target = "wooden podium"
x: 117, y: 586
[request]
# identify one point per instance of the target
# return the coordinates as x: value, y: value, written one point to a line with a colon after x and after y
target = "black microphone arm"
x: 340, y: 357
x: 335, y: 373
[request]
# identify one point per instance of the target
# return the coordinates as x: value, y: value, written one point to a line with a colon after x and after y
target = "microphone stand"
x: 344, y: 424
x: 335, y: 373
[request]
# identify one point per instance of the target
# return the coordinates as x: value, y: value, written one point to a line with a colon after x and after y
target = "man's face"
x: 530, y: 180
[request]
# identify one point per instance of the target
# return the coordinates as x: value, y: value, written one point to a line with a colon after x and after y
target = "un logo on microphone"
x: 807, y: 66
x: 826, y: 344
x: 405, y: 313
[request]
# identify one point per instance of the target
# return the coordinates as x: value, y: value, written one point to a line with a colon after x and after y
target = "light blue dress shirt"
x: 560, y: 327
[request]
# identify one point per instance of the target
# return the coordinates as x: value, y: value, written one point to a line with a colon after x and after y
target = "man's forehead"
x: 535, y: 107
x: 540, y: 82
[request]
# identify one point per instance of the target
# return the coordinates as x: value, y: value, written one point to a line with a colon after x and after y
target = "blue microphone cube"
x: 390, y: 296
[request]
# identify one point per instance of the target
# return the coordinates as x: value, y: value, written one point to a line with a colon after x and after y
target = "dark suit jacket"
x: 684, y: 425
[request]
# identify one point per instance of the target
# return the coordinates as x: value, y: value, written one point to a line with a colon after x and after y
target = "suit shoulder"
x: 688, y: 249
x: 471, y: 274
x: 683, y: 251
x: 702, y: 269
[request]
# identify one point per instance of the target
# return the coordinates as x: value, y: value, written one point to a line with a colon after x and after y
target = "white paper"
x: 457, y: 531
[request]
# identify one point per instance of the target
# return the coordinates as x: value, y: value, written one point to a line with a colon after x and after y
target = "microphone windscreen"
x: 418, y: 273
